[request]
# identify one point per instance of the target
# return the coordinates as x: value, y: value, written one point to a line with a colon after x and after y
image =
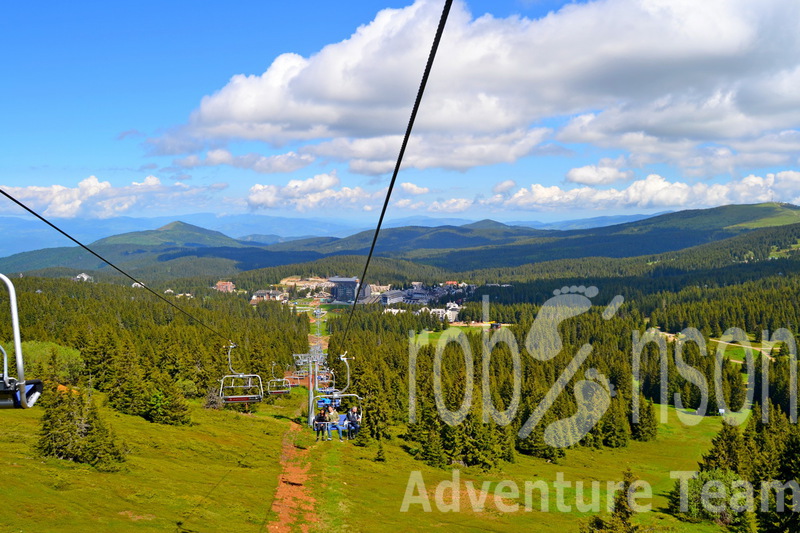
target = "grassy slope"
x: 775, y: 214
x: 358, y: 494
x: 169, y: 475
x: 221, y: 474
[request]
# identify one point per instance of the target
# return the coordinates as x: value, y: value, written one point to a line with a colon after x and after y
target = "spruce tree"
x: 620, y: 519
x: 167, y: 405
x: 100, y: 448
x: 72, y: 429
x: 788, y: 518
x: 647, y: 427
x: 725, y: 449
x: 616, y: 429
x: 380, y: 456
x: 432, y: 453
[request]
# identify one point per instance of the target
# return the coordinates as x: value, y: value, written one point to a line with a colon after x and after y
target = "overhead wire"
x: 414, y: 110
x: 412, y: 118
x: 112, y: 265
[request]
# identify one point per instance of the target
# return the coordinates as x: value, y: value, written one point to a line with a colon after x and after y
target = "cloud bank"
x: 93, y: 198
x: 709, y: 87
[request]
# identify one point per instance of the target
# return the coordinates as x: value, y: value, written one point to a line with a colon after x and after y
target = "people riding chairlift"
x: 353, y: 422
x: 321, y: 423
x: 333, y: 420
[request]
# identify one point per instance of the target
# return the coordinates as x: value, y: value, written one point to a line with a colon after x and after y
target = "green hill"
x: 181, y: 250
x: 728, y: 217
x: 173, y: 234
x: 490, y: 244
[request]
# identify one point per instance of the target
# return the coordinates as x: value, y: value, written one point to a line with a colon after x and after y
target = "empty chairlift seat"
x: 241, y: 388
x: 16, y: 392
x: 10, y: 395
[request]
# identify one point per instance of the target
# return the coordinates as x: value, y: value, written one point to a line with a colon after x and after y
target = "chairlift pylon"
x: 16, y: 393
x: 237, y: 387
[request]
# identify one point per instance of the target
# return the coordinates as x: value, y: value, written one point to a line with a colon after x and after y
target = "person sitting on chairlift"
x: 320, y: 423
x: 353, y: 422
x: 333, y: 419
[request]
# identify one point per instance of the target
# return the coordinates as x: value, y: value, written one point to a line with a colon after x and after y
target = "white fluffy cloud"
x: 504, y: 186
x: 99, y: 199
x: 410, y: 188
x: 287, y: 162
x: 320, y: 191
x: 453, y: 205
x: 606, y: 172
x: 656, y: 192
x: 658, y: 78
x: 407, y: 203
x: 378, y: 155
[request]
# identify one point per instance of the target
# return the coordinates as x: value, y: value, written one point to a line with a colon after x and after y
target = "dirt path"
x: 293, y: 503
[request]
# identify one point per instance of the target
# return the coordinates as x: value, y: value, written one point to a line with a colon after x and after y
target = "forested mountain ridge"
x: 181, y: 250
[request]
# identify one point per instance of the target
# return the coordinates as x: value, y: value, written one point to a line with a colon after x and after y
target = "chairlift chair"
x: 326, y: 382
x: 237, y: 387
x: 278, y: 385
x: 16, y: 393
x: 334, y: 396
x: 295, y: 380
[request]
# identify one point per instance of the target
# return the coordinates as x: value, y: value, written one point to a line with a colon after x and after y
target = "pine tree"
x: 376, y: 417
x: 167, y: 405
x: 786, y: 519
x: 725, y: 449
x: 622, y: 514
x: 72, y: 429
x: 647, y: 427
x: 381, y: 455
x: 745, y: 522
x: 59, y: 437
x: 100, y: 448
x: 615, y: 427
x: 535, y: 445
x: 433, y: 453
x: 480, y: 448
x: 620, y: 519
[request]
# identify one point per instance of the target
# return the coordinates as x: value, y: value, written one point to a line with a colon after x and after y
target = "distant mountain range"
x: 21, y: 234
x: 181, y: 249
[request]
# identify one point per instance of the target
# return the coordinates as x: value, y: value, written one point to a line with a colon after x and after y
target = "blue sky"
x: 536, y: 110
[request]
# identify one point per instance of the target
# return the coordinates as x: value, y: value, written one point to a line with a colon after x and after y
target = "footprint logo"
x: 543, y: 341
x: 593, y: 397
x: 593, y: 394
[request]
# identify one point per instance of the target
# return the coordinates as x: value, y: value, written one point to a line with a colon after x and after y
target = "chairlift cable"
x: 216, y: 485
x: 414, y: 110
x: 109, y: 263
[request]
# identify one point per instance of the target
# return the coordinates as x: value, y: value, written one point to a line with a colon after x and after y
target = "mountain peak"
x: 173, y: 234
x: 184, y: 226
x: 486, y: 224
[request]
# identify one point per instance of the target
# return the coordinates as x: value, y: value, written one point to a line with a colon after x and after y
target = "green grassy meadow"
x: 220, y: 471
x: 359, y: 494
x: 221, y: 474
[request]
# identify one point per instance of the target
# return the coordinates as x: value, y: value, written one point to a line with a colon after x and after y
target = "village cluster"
x: 343, y: 290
